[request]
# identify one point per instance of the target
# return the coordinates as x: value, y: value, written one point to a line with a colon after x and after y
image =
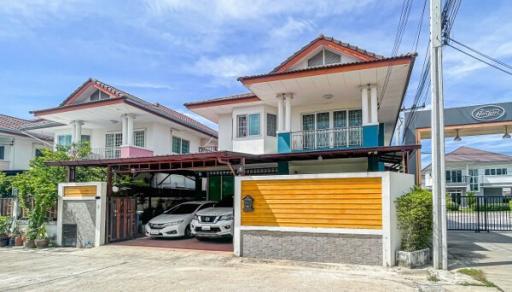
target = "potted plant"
x: 4, y: 231
x: 18, y: 237
x: 29, y: 239
x: 41, y: 240
x: 414, y: 214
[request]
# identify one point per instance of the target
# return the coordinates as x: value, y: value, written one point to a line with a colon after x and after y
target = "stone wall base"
x: 313, y: 247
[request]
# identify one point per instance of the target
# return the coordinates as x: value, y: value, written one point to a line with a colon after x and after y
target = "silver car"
x: 175, y: 222
x: 215, y: 222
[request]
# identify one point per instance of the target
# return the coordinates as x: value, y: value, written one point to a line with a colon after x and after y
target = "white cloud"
x: 224, y: 70
x: 291, y: 29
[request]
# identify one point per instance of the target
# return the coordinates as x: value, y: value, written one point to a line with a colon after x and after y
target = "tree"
x: 40, y: 182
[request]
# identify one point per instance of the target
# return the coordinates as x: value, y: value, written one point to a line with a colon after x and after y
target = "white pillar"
x: 288, y: 113
x: 76, y: 133
x: 374, y: 118
x: 280, y: 113
x: 364, y: 103
x: 124, y: 132
x: 129, y: 130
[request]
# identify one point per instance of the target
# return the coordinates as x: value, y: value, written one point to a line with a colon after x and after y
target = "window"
x: 248, y: 125
x: 254, y: 124
x: 271, y: 125
x: 112, y: 143
x: 324, y: 57
x: 473, y: 179
x: 496, y: 171
x: 2, y: 152
x: 139, y: 138
x: 454, y: 176
x: 242, y: 126
x: 355, y: 118
x: 180, y: 146
x: 85, y: 139
x: 98, y: 95
x: 64, y: 140
x: 38, y: 152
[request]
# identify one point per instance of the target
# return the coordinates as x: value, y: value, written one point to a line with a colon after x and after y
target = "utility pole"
x: 440, y: 248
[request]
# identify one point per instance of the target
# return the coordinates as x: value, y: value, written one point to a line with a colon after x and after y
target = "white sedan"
x: 175, y: 222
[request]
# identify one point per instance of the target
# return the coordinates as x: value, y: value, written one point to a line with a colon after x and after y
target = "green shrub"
x: 414, y: 212
x: 5, y: 223
x: 451, y: 205
x: 492, y: 207
x: 471, y: 199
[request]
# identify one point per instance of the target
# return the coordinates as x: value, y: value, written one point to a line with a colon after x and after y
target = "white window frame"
x: 181, y: 144
x: 248, y: 135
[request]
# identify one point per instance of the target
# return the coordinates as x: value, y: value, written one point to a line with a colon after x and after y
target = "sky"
x: 174, y: 52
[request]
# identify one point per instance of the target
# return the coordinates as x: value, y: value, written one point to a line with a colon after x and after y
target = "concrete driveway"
x: 488, y: 251
x: 122, y: 268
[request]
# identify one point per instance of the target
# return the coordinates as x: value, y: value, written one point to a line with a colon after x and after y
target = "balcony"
x: 458, y: 182
x: 113, y: 153
x: 327, y: 139
x: 204, y: 149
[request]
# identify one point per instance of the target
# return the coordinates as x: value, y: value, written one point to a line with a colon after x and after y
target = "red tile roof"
x: 470, y: 154
x: 236, y: 97
x: 16, y: 126
x: 154, y: 108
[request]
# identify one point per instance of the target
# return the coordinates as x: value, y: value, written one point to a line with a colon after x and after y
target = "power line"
x: 420, y: 26
x: 481, y: 60
x: 481, y: 54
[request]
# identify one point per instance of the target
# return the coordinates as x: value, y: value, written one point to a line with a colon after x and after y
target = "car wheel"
x: 188, y: 233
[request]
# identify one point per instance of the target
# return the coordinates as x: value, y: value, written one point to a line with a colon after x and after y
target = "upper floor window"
x: 454, y: 176
x: 180, y: 146
x: 324, y: 57
x: 496, y: 171
x: 248, y: 125
x: 98, y: 95
x: 2, y: 152
x: 139, y: 138
x: 64, y: 140
x: 271, y: 125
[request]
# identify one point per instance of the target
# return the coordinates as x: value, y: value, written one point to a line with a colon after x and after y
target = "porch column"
x: 364, y: 105
x: 129, y: 129
x: 374, y: 119
x: 288, y: 112
x: 280, y: 113
x: 76, y: 133
x: 124, y: 129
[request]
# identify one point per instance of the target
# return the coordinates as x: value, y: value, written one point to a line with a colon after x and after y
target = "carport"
x: 222, y: 166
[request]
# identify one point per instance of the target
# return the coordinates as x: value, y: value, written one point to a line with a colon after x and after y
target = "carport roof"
x: 390, y: 154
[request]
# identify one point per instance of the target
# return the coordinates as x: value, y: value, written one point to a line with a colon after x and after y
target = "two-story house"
x: 474, y: 170
x: 120, y: 125
x: 18, y: 147
x: 327, y: 96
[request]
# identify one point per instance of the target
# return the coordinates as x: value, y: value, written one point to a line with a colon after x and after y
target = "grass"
x: 479, y: 276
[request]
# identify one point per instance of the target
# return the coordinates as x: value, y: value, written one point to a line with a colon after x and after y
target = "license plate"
x: 205, y: 228
x: 154, y: 232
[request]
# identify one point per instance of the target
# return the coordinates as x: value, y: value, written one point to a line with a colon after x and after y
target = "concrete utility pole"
x: 440, y: 249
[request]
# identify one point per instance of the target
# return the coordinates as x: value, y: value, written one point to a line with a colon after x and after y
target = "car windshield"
x: 182, y: 209
x: 228, y: 202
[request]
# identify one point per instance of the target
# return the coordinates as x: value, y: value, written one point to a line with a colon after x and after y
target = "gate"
x: 479, y: 213
x: 121, y: 219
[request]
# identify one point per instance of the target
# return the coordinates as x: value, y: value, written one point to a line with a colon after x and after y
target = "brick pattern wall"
x: 313, y: 247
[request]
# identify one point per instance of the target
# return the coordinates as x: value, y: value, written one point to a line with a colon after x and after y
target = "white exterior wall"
x: 226, y: 132
x: 260, y: 144
x: 19, y: 155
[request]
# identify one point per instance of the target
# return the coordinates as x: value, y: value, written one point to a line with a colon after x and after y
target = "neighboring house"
x: 120, y: 125
x: 18, y: 147
x: 329, y: 95
x: 479, y: 171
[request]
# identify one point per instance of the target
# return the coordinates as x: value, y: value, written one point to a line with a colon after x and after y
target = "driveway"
x: 124, y: 268
x: 488, y: 251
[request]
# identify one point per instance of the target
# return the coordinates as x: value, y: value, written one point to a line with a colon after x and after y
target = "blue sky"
x: 177, y: 51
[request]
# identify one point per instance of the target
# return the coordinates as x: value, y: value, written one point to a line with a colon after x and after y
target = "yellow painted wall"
x: 79, y: 191
x: 327, y: 203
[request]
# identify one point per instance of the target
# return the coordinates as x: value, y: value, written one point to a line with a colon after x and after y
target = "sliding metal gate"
x: 479, y: 213
x: 121, y: 219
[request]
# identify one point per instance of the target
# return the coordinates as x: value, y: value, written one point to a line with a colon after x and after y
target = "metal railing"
x: 463, y: 181
x: 104, y: 153
x: 479, y: 213
x: 327, y: 139
x: 203, y: 149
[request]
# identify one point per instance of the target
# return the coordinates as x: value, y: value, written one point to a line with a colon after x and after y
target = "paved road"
x: 488, y: 251
x: 120, y: 268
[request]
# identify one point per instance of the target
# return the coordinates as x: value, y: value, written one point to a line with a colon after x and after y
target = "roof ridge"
x: 328, y: 38
x: 478, y: 150
x: 233, y: 96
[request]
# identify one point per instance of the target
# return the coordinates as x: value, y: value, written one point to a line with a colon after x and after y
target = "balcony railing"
x: 327, y: 139
x: 203, y: 149
x: 101, y: 153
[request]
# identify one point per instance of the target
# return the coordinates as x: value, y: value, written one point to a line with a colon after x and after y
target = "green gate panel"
x: 228, y: 186
x: 214, y: 188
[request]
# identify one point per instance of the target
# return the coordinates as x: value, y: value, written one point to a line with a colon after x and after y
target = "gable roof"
x: 15, y: 126
x: 123, y: 96
x: 470, y: 154
x: 331, y: 43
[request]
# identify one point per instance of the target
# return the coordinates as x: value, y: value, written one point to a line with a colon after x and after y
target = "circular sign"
x: 488, y: 113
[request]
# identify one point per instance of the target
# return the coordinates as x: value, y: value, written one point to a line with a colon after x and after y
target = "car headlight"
x: 174, y: 223
x: 226, y: 217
